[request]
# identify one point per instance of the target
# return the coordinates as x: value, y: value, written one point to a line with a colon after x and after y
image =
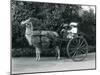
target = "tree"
x: 49, y: 16
x: 88, y: 26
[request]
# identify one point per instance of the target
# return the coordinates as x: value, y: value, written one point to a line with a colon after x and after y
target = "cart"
x: 75, y: 48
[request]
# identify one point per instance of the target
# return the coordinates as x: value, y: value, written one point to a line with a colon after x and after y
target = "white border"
x: 5, y: 36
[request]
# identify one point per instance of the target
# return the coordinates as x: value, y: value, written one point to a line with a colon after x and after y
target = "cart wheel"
x: 77, y: 49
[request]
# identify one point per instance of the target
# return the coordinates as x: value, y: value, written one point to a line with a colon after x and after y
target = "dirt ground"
x: 30, y: 65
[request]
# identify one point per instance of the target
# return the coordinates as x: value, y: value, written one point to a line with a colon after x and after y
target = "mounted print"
x: 52, y: 37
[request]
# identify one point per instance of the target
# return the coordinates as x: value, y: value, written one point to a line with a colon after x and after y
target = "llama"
x: 34, y: 40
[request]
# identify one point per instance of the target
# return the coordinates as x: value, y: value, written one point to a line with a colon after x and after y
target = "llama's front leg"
x: 37, y: 54
x: 58, y: 52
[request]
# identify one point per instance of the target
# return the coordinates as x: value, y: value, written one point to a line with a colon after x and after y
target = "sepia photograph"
x: 52, y: 37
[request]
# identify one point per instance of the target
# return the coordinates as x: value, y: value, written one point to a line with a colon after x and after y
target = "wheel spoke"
x: 78, y: 43
x: 81, y: 43
x: 83, y: 51
x: 74, y: 54
x: 83, y: 46
x: 78, y: 54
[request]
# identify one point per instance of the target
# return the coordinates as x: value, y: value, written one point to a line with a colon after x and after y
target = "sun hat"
x: 73, y: 24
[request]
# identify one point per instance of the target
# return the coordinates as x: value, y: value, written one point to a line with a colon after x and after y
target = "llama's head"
x: 27, y: 23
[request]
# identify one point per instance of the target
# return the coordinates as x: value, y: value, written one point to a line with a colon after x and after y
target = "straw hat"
x: 73, y: 24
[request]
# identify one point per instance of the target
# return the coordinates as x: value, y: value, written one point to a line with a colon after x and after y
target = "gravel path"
x: 30, y: 65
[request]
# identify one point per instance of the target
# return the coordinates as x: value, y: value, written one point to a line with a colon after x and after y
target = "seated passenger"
x: 73, y: 31
x: 70, y: 30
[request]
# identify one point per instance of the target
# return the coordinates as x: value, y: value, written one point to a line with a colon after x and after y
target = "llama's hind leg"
x: 37, y: 54
x: 58, y: 52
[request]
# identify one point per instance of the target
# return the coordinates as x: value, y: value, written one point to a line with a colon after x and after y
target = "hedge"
x: 30, y: 52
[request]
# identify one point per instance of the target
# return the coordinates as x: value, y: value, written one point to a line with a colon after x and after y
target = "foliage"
x: 88, y: 26
x: 49, y: 16
x: 30, y: 52
x: 23, y: 52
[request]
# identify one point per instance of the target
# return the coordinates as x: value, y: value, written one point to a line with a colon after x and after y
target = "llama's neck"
x: 28, y: 34
x: 28, y: 31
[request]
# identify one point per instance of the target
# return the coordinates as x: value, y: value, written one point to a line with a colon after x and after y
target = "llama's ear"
x: 22, y: 23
